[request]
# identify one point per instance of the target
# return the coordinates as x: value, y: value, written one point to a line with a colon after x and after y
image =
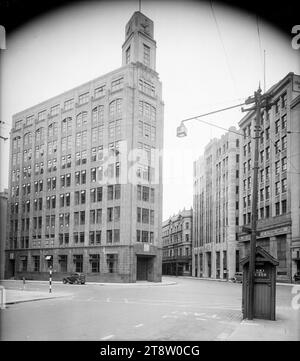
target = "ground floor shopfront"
x: 99, y: 264
x: 278, y: 242
x: 220, y: 261
x: 181, y: 266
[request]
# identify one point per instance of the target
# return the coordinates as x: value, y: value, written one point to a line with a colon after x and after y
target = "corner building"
x: 86, y: 175
x: 279, y: 177
x: 177, y: 244
x: 216, y: 205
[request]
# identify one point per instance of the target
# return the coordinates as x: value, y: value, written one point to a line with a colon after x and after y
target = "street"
x: 191, y: 309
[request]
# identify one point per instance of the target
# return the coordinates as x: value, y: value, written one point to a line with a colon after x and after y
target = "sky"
x: 205, y: 63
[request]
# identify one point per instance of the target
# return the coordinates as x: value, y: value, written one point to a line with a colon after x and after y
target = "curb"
x: 151, y: 284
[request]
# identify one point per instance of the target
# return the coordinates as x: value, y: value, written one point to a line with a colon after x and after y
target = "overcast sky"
x: 199, y: 73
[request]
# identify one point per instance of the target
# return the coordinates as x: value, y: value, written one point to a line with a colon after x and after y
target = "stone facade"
x: 279, y: 178
x: 177, y: 234
x: 216, y: 181
x: 86, y: 174
x: 3, y: 229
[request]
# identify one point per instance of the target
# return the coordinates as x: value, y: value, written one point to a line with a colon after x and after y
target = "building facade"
x: 3, y: 229
x: 216, y: 203
x: 279, y: 177
x: 177, y: 234
x: 86, y: 174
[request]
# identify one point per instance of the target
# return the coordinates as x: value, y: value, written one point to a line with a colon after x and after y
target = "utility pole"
x: 261, y: 102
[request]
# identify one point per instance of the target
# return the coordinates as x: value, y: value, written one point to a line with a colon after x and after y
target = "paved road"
x: 189, y: 310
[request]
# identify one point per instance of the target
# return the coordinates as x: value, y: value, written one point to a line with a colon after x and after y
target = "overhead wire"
x: 223, y: 46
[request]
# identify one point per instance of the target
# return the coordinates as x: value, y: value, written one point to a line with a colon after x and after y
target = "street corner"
x: 19, y: 296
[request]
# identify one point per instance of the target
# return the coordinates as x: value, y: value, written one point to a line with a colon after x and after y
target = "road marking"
x: 249, y: 324
x: 201, y: 319
x: 108, y: 299
x: 125, y: 300
x: 91, y: 298
x: 139, y: 325
x: 107, y: 337
x: 169, y: 316
x: 214, y: 316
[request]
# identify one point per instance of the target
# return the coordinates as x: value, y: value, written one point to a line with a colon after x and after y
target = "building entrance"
x: 144, y: 267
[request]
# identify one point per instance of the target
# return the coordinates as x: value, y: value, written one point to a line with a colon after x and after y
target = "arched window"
x: 27, y: 139
x: 98, y: 114
x: 39, y: 134
x: 115, y: 108
x: 81, y: 119
x: 148, y: 111
x: 66, y: 124
x: 16, y: 142
x: 52, y: 129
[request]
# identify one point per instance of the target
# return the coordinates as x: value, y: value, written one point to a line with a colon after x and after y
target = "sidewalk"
x: 132, y: 284
x: 286, y: 327
x: 18, y: 296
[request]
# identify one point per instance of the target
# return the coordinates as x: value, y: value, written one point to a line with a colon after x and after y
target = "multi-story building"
x: 279, y: 177
x: 86, y: 177
x: 3, y: 229
x: 216, y: 204
x: 177, y: 244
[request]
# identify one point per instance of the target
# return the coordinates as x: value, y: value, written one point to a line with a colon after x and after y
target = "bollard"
x: 23, y: 283
x: 2, y: 298
x: 50, y: 279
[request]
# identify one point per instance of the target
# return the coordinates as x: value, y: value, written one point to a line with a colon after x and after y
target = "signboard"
x: 146, y: 247
x: 11, y: 256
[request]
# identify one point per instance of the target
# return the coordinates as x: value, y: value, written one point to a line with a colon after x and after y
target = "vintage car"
x: 78, y: 278
x: 238, y: 277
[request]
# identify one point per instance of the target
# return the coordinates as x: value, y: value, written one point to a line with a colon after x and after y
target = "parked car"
x: 238, y: 277
x: 297, y: 276
x: 78, y: 278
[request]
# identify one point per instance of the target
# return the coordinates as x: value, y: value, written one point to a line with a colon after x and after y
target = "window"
x: 277, y: 209
x: 66, y: 125
x: 98, y: 114
x: 117, y: 84
x: 83, y: 98
x: 69, y: 104
x: 277, y: 188
x: 284, y: 185
x: 115, y: 108
x: 95, y: 263
x: 277, y: 167
x: 277, y: 127
x: 267, y: 211
x: 41, y: 116
x: 283, y: 164
x: 128, y: 55
x: 268, y: 133
x: 277, y: 148
x: 283, y: 206
x: 99, y: 194
x: 267, y: 153
x: 81, y: 119
x: 54, y: 110
x: 112, y: 261
x: 283, y: 142
x: 99, y: 91
x: 267, y: 192
x: 146, y: 55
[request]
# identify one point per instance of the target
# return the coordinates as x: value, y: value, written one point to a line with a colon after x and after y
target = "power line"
x: 223, y: 46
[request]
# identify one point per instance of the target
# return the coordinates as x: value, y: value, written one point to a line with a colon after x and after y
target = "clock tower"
x: 139, y: 45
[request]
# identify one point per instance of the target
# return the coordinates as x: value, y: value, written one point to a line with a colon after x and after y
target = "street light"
x: 181, y: 131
